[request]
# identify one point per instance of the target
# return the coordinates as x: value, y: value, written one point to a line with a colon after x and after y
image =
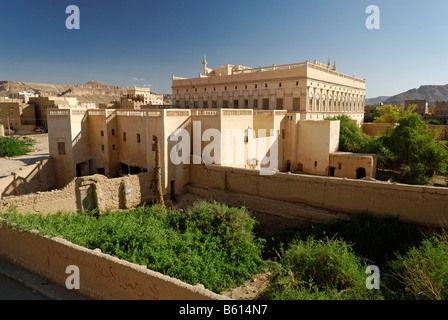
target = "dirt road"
x: 39, y: 153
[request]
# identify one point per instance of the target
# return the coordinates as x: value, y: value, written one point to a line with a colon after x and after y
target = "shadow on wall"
x: 87, y: 193
x: 33, y: 178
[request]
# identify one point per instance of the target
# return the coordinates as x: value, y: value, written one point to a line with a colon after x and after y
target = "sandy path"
x: 39, y: 153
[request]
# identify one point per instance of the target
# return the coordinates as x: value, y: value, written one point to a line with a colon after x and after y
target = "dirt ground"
x: 39, y: 153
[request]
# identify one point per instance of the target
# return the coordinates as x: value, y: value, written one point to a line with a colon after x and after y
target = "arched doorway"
x: 360, y: 173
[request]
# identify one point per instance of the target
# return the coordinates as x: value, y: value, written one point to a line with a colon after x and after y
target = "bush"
x: 377, y: 240
x: 209, y: 244
x: 12, y: 147
x: 414, y: 150
x: 319, y: 269
x: 423, y: 270
x: 351, y: 137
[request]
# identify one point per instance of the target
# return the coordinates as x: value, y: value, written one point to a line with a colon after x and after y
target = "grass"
x: 13, y: 147
x: 210, y: 243
x: 219, y: 247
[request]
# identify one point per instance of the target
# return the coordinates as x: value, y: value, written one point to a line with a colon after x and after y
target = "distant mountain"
x: 430, y: 93
x: 376, y: 100
x: 92, y: 91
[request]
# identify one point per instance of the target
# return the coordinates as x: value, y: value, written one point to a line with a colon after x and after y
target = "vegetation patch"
x: 314, y: 269
x: 219, y: 247
x: 13, y: 147
x: 411, y: 149
x: 209, y: 243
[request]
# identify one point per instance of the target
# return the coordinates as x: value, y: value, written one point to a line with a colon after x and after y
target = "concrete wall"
x: 422, y: 205
x: 30, y: 179
x: 102, y: 276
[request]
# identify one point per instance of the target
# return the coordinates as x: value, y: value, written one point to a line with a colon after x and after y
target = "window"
x: 279, y: 104
x: 102, y: 133
x: 204, y: 104
x: 225, y: 88
x: 138, y: 138
x: 315, y: 163
x: 225, y: 104
x: 214, y: 104
x: 255, y: 103
x: 124, y: 136
x: 102, y: 147
x: 113, y: 132
x: 235, y: 103
x: 245, y: 87
x: 256, y: 86
x: 196, y: 90
x: 236, y: 87
x: 177, y: 103
x: 195, y: 104
x: 280, y: 84
x: 186, y: 90
x: 297, y: 83
x: 295, y: 104
x: 187, y: 104
x: 266, y: 85
x: 205, y: 89
x: 61, y: 148
x: 265, y: 104
x: 113, y: 147
x: 246, y: 104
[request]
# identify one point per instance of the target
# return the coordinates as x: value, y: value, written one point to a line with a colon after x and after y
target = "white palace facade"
x: 313, y: 89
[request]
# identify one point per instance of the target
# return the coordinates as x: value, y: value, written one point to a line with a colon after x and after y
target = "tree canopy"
x: 412, y: 148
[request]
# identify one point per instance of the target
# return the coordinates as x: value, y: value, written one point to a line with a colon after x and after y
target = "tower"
x: 204, y: 66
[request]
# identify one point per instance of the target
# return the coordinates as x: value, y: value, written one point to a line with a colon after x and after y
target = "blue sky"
x: 140, y: 42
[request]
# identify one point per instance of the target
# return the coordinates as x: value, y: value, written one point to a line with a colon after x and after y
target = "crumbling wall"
x: 101, y: 276
x: 30, y: 179
x: 85, y: 193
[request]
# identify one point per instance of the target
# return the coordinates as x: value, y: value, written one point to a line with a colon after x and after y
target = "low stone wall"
x: 422, y: 205
x: 89, y: 192
x: 374, y: 129
x: 101, y: 276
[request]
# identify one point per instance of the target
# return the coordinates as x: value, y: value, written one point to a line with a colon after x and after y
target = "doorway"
x: 360, y: 173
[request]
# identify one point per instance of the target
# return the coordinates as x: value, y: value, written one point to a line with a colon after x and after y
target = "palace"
x: 312, y: 89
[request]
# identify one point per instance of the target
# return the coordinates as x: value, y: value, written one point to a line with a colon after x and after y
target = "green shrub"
x: 12, y: 147
x: 351, y: 137
x: 423, y: 270
x: 209, y: 244
x: 376, y: 239
x: 319, y: 269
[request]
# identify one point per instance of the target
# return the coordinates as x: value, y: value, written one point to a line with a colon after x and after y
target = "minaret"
x: 329, y: 63
x: 334, y: 66
x: 204, y: 66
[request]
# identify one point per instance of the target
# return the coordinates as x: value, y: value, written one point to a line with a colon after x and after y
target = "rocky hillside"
x: 429, y: 93
x: 92, y: 91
